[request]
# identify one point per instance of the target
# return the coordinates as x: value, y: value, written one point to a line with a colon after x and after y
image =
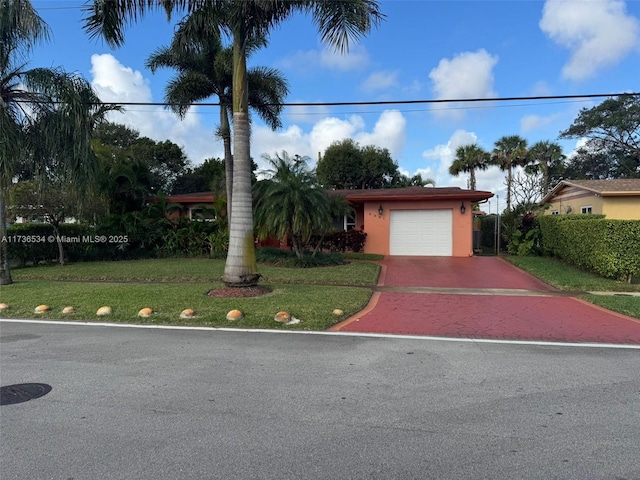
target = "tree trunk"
x: 225, y: 131
x: 241, y: 268
x: 472, y: 179
x: 509, y: 184
x: 56, y: 231
x: 5, y: 272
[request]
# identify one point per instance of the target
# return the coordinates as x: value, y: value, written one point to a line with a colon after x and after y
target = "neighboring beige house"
x: 617, y: 199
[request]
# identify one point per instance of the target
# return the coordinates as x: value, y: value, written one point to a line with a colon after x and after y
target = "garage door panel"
x: 421, y: 232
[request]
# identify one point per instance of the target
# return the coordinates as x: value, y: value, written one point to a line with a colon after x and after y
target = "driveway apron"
x: 484, y: 298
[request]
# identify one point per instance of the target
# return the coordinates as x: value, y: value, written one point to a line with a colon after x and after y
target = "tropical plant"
x: 46, y: 115
x: 545, y: 157
x: 290, y: 204
x: 338, y: 24
x: 469, y: 158
x: 509, y: 151
x: 204, y: 69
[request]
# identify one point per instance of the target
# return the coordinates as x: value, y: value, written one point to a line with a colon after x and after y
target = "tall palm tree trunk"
x: 228, y: 158
x: 241, y: 268
x: 472, y: 179
x: 5, y: 273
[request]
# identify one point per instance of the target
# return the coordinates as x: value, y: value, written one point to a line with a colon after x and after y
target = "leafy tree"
x: 469, y: 158
x: 54, y: 131
x: 341, y: 166
x: 509, y: 152
x: 204, y: 69
x: 134, y: 168
x: 290, y: 203
x: 613, y: 132
x: 54, y: 204
x: 347, y: 165
x: 242, y: 20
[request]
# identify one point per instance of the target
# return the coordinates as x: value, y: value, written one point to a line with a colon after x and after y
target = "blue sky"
x: 423, y: 50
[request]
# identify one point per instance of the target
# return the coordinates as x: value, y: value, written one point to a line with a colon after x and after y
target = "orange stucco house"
x: 411, y: 221
x: 416, y: 221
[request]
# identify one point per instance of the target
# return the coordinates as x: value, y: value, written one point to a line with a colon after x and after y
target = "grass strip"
x: 565, y: 277
x: 313, y: 305
x: 198, y: 270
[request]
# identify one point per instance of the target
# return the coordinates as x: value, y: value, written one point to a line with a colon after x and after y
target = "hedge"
x: 610, y: 248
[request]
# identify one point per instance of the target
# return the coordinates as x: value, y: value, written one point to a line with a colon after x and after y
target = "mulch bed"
x: 238, y: 292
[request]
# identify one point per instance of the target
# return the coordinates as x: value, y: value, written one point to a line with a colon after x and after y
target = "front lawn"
x: 169, y: 286
x: 564, y: 277
x: 199, y: 270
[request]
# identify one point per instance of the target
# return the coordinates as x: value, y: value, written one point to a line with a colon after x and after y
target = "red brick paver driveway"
x: 482, y: 297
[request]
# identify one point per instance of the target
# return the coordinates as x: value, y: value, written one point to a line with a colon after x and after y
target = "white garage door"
x: 421, y: 232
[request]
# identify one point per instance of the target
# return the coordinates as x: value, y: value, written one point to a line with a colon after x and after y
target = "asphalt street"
x: 137, y: 404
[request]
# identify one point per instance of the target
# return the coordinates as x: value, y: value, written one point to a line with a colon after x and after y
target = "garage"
x: 421, y: 233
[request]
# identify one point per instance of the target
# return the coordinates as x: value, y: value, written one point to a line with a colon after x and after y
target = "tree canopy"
x: 347, y: 165
x: 612, y: 130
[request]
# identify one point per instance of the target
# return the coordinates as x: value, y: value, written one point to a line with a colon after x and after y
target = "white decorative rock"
x: 187, y: 313
x: 145, y: 312
x: 42, y: 308
x: 3, y: 307
x: 337, y: 312
x: 102, y: 311
x: 234, y: 315
x: 282, y: 317
x: 68, y: 309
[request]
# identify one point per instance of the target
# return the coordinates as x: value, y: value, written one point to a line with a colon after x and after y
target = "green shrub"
x: 610, y: 248
x: 285, y: 258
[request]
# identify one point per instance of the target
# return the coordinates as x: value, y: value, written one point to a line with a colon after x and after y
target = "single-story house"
x: 617, y: 199
x: 192, y: 205
x: 412, y: 221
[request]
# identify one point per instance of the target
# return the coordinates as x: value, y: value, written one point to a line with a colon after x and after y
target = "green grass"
x: 626, y: 305
x: 198, y: 270
x: 314, y: 305
x: 171, y: 285
x: 565, y: 277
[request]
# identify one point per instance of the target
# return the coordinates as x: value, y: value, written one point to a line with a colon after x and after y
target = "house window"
x: 555, y: 212
x: 349, y: 223
x: 586, y: 209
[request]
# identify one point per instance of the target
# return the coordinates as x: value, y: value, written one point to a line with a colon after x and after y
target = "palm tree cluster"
x: 242, y: 21
x: 46, y: 115
x: 508, y: 153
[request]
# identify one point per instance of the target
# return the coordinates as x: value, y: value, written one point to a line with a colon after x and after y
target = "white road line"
x: 337, y: 334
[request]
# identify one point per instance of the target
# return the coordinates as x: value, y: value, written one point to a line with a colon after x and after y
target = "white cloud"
x: 598, y: 34
x: 388, y: 132
x: 466, y: 75
x: 440, y: 157
x: 356, y: 58
x: 380, y: 81
x: 114, y: 82
x: 530, y: 123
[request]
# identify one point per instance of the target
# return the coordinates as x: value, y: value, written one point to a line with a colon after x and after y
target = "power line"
x: 374, y: 103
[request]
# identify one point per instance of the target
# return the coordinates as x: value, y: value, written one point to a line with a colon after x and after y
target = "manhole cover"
x: 22, y: 392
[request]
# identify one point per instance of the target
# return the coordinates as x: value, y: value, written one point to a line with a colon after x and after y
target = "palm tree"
x: 290, y: 203
x: 509, y: 151
x: 469, y: 158
x: 204, y: 69
x: 543, y: 157
x: 46, y: 115
x: 338, y: 24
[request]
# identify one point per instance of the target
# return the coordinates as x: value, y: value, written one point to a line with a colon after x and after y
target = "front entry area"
x: 421, y: 233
